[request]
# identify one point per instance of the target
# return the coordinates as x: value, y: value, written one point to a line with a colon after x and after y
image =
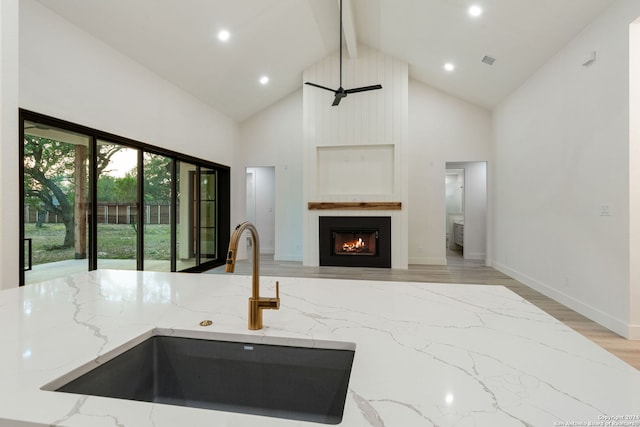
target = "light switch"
x: 605, y: 210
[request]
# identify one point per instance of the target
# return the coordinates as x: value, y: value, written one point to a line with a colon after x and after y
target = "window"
x: 94, y: 200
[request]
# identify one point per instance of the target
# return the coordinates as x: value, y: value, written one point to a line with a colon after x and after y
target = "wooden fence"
x: 109, y: 213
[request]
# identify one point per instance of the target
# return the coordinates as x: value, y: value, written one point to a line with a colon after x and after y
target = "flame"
x: 354, y: 246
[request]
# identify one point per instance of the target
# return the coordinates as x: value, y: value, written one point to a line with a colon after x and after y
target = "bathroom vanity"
x: 458, y: 233
x: 425, y: 354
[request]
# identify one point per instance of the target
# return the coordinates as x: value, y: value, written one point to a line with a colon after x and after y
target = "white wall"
x: 361, y: 120
x: 442, y: 129
x: 68, y: 74
x: 261, y: 205
x: 634, y: 179
x: 9, y: 197
x: 475, y: 216
x: 273, y: 137
x: 562, y: 153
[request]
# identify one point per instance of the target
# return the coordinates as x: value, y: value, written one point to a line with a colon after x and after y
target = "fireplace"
x: 348, y: 241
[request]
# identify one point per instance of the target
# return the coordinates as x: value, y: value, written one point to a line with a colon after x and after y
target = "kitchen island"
x: 426, y: 354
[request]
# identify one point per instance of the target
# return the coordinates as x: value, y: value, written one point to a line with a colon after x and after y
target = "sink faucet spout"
x: 256, y: 303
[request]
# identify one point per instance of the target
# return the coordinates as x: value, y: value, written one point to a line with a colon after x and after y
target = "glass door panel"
x: 157, y: 212
x: 208, y: 190
x: 185, y: 216
x: 117, y: 206
x: 56, y: 207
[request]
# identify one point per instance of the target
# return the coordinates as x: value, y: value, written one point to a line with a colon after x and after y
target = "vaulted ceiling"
x: 178, y: 40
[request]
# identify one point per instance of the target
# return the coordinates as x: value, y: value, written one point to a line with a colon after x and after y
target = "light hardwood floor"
x: 458, y: 270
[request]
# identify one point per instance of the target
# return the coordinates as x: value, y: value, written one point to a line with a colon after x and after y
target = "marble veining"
x: 426, y: 354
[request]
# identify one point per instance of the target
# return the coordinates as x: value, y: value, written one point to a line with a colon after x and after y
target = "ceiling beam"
x: 349, y: 28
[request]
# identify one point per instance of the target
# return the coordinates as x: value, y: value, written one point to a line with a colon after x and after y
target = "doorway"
x: 260, y: 206
x: 466, y: 211
x: 454, y: 215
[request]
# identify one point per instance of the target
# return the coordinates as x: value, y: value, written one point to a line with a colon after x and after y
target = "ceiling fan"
x: 341, y: 92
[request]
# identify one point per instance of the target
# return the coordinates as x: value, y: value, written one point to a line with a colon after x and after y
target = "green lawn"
x: 115, y: 241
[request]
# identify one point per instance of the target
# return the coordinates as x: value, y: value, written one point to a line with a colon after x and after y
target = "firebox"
x: 361, y: 243
x: 355, y: 241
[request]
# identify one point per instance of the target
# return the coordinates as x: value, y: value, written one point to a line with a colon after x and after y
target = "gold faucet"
x: 256, y: 304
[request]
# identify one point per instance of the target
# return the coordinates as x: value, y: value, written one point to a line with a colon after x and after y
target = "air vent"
x: 488, y: 60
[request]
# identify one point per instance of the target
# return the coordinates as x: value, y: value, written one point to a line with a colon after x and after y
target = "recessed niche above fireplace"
x: 362, y: 170
x: 355, y: 241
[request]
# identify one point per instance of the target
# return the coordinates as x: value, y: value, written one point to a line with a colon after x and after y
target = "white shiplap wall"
x: 362, y: 119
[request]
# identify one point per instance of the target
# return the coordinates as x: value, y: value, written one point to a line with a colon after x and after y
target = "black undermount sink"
x: 297, y: 383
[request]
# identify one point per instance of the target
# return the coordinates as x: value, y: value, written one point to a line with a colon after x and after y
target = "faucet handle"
x: 276, y: 301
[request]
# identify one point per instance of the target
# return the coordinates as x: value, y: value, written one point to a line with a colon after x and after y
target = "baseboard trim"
x: 288, y: 257
x: 427, y: 261
x: 634, y: 332
x: 616, y: 325
x: 477, y: 256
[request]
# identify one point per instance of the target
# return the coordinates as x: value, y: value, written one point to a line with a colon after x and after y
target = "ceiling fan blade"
x: 340, y: 93
x: 321, y: 87
x: 363, y: 89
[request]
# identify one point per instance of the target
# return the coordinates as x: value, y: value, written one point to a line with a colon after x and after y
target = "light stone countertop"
x: 426, y: 354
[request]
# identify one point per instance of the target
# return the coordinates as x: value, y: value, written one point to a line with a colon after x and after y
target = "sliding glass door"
x: 92, y: 200
x: 157, y: 211
x: 198, y: 222
x: 55, y: 202
x: 117, y: 206
x: 186, y: 247
x: 207, y: 220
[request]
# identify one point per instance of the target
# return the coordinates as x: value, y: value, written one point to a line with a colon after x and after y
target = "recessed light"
x: 223, y: 35
x: 475, y: 11
x: 449, y: 66
x: 264, y: 80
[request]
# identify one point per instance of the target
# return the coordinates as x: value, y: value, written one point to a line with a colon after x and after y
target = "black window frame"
x: 223, y: 205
